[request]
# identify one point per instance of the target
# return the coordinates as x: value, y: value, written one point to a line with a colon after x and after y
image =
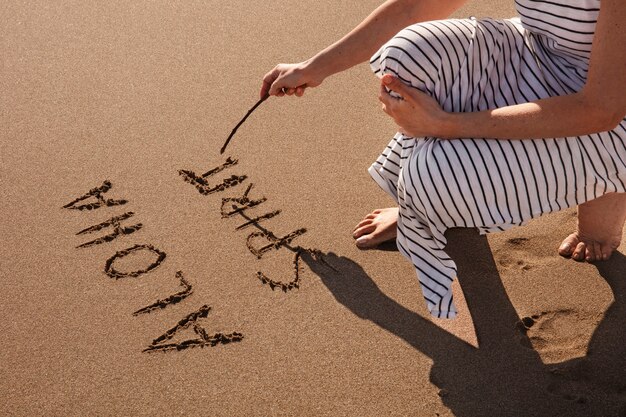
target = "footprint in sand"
x: 569, y: 390
x: 517, y: 241
x: 560, y: 335
x: 517, y: 255
x: 507, y: 261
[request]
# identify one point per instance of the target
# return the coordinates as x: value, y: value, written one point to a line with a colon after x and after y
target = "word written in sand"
x: 97, y: 194
x: 239, y: 205
x: 203, y: 338
x: 172, y: 299
x: 118, y: 230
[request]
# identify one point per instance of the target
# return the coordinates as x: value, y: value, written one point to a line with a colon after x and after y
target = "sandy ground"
x: 134, y: 92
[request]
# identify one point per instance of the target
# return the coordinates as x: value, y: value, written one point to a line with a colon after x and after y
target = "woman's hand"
x: 355, y: 47
x: 416, y: 113
x: 290, y: 79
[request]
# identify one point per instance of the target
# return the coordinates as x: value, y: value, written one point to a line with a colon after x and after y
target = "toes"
x: 363, y: 223
x: 363, y: 231
x: 365, y: 242
x: 605, y: 251
x: 569, y: 244
x: 590, y: 252
x: 369, y: 240
x: 375, y: 228
x: 367, y: 220
x: 579, y: 252
x: 600, y: 252
x: 596, y: 253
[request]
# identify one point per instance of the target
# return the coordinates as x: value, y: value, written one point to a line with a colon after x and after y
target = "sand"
x: 168, y: 306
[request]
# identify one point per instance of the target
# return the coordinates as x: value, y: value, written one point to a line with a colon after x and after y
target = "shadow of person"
x: 606, y: 359
x: 504, y: 376
x: 604, y: 366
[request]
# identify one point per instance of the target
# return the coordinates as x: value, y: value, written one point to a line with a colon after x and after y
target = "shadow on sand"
x: 504, y: 376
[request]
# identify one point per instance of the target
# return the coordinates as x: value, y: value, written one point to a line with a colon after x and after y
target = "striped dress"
x: 473, y: 65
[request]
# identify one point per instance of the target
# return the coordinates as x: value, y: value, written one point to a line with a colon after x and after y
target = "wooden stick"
x: 258, y: 103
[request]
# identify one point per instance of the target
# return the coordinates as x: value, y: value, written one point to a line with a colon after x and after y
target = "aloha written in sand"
x: 258, y: 243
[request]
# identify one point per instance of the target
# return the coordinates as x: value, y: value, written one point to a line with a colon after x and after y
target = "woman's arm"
x: 599, y: 106
x: 357, y: 46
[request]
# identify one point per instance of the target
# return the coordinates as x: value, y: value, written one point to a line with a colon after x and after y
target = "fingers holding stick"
x: 282, y: 80
x: 298, y: 92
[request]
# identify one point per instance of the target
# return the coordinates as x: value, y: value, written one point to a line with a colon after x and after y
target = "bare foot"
x: 600, y: 224
x: 377, y: 227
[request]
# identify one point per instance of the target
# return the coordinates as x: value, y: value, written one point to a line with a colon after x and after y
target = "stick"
x: 258, y: 103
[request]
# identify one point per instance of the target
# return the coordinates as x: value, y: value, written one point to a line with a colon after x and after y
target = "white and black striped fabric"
x: 472, y: 65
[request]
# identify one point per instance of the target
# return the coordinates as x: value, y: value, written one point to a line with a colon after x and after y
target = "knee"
x: 409, y: 56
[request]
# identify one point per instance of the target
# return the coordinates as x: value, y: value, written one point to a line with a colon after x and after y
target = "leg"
x: 600, y: 225
x: 415, y: 55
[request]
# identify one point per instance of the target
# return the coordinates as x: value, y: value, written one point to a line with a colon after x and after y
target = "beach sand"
x: 134, y: 92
